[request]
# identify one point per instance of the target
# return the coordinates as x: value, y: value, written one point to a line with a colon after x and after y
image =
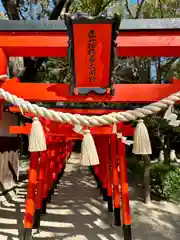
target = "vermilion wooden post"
x: 116, y: 192
x: 55, y: 165
x: 46, y: 183
x: 61, y: 154
x: 102, y: 153
x: 40, y: 189
x: 69, y: 148
x: 50, y: 176
x: 63, y: 151
x: 95, y: 169
x: 95, y: 172
x: 3, y: 71
x: 59, y: 170
x: 107, y: 163
x: 52, y: 171
x: 124, y: 192
x: 62, y: 159
x: 4, y: 62
x: 58, y: 164
x: 99, y: 167
x: 30, y: 201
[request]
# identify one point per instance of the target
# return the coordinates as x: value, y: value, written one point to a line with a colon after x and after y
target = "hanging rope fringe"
x: 171, y: 117
x: 37, y: 140
x: 119, y: 135
x: 142, y: 144
x: 89, y: 156
x: 161, y: 156
x: 168, y: 112
x: 173, y: 156
x: 124, y: 139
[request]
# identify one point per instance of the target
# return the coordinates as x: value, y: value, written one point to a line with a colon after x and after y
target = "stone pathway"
x: 77, y: 212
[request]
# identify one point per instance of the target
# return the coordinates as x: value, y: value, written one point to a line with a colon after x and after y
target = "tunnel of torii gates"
x: 91, y: 56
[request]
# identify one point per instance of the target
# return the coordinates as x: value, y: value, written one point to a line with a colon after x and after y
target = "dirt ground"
x: 78, y: 212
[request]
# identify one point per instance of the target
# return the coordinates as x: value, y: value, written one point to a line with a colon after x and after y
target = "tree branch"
x: 31, y: 65
x: 11, y: 8
x: 161, y: 9
x: 139, y: 9
x: 128, y: 9
x: 158, y: 69
x: 168, y: 64
x: 68, y: 4
x: 104, y: 6
x: 57, y: 10
x: 137, y: 66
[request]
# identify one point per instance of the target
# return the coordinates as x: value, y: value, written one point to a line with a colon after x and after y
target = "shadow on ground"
x: 77, y: 212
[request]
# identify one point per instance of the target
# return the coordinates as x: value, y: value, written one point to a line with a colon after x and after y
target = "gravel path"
x: 77, y: 212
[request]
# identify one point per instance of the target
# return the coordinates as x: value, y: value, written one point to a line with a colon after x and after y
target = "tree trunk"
x: 11, y: 8
x: 167, y: 149
x: 147, y: 168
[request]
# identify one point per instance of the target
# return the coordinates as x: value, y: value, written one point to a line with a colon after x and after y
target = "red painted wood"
x: 137, y: 43
x: 41, y: 177
x: 3, y: 71
x: 4, y: 62
x: 124, y: 183
x: 31, y: 190
x: 115, y: 177
x: 142, y: 93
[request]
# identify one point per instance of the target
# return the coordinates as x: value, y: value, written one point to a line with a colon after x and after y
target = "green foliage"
x: 171, y: 188
x: 158, y: 174
x: 56, y: 70
x: 161, y: 9
x: 98, y: 7
x: 164, y: 67
x: 24, y: 157
x: 135, y: 166
x: 164, y: 179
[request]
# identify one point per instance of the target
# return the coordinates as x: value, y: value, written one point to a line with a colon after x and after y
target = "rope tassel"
x: 37, y: 140
x: 142, y: 144
x: 89, y: 156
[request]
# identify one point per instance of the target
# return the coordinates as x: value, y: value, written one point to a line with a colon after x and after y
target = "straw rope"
x: 90, y: 120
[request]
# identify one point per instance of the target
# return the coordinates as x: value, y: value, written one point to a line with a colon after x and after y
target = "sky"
x: 1, y: 7
x: 133, y: 1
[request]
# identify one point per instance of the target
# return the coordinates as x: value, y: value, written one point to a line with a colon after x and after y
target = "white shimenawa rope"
x: 90, y: 120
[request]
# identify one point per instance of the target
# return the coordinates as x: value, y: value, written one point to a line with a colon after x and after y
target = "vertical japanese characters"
x: 92, y: 55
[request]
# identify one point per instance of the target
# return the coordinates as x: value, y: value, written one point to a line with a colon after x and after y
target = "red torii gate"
x: 64, y: 132
x: 146, y: 38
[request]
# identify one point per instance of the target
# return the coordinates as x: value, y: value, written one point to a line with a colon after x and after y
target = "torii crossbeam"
x: 141, y: 37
